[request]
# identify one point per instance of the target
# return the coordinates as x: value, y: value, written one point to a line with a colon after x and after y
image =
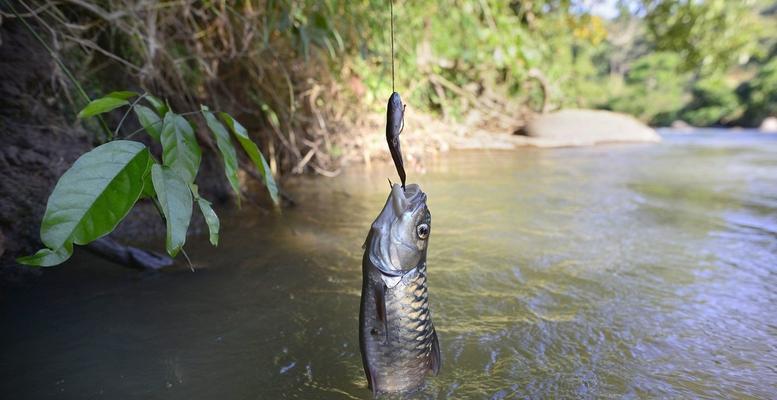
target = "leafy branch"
x: 101, y: 187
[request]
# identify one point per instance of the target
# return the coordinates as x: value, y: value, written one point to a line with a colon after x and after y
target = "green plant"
x: 710, y: 36
x: 101, y: 187
x: 713, y: 102
x: 760, y: 94
x: 654, y: 86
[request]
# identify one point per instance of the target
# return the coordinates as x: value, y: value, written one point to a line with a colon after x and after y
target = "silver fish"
x: 395, y: 123
x: 398, y: 342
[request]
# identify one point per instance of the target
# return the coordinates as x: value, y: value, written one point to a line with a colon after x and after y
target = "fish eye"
x: 422, y: 230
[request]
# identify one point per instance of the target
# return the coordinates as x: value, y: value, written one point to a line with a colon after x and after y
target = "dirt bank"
x: 39, y: 140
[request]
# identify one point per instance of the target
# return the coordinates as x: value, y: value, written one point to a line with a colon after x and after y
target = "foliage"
x: 654, y: 86
x: 714, y: 102
x: 760, y: 94
x: 241, y: 134
x: 175, y: 201
x: 91, y: 198
x: 103, y: 185
x: 300, y: 72
x: 710, y: 35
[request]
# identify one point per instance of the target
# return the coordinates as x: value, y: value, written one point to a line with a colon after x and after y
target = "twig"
x: 104, y: 52
x: 188, y: 260
x: 535, y: 74
x: 121, y: 122
x: 56, y: 58
x: 161, y: 120
x: 301, y: 164
x: 326, y: 173
x: 32, y: 13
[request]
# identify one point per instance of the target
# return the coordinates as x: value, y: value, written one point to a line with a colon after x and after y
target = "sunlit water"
x: 623, y: 271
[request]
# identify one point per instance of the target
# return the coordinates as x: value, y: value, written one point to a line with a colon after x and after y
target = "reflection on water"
x: 607, y: 272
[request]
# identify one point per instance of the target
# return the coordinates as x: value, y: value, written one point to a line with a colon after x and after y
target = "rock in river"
x: 769, y: 125
x: 587, y: 127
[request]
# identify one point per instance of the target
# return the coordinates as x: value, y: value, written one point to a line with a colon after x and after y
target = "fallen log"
x: 129, y: 256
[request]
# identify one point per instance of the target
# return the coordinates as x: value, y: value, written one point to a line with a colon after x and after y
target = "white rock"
x: 588, y: 127
x: 769, y: 124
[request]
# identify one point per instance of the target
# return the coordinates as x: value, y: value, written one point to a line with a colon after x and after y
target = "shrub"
x: 98, y: 191
x: 714, y: 102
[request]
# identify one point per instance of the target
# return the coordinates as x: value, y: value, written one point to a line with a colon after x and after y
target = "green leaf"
x: 48, y: 257
x: 253, y: 153
x: 226, y: 148
x: 107, y: 103
x: 180, y: 150
x: 100, y: 106
x: 159, y: 105
x: 124, y: 94
x: 211, y: 219
x: 148, y: 184
x: 149, y: 120
x: 175, y: 200
x: 95, y: 194
x: 90, y: 199
x: 210, y: 216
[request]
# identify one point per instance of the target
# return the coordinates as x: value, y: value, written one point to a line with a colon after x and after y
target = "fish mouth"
x: 409, y: 199
x: 399, y: 205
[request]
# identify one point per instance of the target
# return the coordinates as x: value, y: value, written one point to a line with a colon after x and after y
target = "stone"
x: 769, y: 124
x: 576, y: 127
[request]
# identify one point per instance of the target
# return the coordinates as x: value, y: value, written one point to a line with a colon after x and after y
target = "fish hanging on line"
x: 397, y: 338
x: 394, y: 125
x: 398, y: 341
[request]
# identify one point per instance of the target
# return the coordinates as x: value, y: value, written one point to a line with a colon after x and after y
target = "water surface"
x: 622, y: 271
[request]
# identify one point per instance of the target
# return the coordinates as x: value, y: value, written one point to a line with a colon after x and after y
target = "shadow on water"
x: 606, y: 272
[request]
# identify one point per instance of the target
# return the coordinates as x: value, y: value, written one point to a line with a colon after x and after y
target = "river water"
x: 621, y: 271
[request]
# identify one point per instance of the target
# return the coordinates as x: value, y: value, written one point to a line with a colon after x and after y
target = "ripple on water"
x: 607, y: 272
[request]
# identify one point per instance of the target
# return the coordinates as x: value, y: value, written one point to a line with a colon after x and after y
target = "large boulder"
x: 769, y: 124
x: 587, y: 127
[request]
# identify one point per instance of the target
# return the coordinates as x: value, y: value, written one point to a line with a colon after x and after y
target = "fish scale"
x: 398, y: 341
x: 407, y: 348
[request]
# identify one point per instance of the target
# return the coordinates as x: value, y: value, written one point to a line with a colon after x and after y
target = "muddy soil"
x: 39, y: 139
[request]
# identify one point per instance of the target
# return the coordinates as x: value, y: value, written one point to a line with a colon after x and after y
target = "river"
x: 618, y: 271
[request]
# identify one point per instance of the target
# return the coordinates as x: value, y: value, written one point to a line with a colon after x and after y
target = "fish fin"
x: 380, y: 305
x: 380, y: 301
x: 404, y: 107
x: 436, y: 361
x: 371, y: 380
x: 367, y: 239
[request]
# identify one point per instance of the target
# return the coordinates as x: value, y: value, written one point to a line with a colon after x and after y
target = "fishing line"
x: 391, y: 9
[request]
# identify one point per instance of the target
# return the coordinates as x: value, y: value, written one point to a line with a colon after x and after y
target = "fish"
x: 395, y: 123
x: 398, y: 342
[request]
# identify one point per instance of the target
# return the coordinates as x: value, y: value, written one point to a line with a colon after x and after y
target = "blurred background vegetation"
x: 304, y: 74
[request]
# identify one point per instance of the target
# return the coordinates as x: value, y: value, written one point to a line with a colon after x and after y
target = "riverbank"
x: 38, y: 147
x: 40, y: 143
x: 41, y: 139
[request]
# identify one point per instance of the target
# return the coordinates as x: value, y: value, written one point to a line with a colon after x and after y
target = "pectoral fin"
x: 436, y: 361
x: 380, y: 302
x: 380, y: 307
